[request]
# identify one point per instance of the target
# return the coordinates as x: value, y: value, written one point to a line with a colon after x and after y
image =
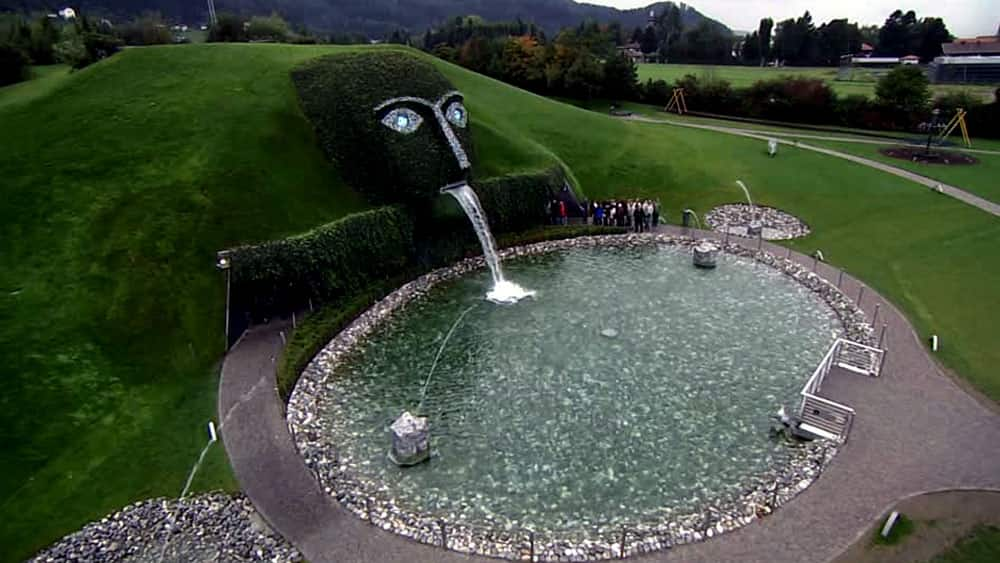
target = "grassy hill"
x: 121, y: 182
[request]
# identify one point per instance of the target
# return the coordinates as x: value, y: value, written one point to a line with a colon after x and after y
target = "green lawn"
x: 980, y: 179
x: 743, y: 76
x: 981, y: 546
x: 44, y: 79
x: 120, y: 184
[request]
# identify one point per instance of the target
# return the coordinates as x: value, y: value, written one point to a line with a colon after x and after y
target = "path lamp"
x: 935, y: 113
x: 223, y: 261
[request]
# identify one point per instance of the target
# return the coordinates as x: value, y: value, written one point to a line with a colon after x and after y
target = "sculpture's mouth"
x: 448, y: 187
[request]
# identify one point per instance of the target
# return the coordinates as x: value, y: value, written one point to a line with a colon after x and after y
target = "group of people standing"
x: 639, y: 215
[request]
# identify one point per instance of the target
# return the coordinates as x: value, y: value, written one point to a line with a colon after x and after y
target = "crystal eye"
x: 402, y: 120
x: 457, y: 115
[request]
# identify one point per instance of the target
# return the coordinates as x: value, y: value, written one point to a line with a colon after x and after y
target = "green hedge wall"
x: 338, y: 94
x: 517, y: 201
x: 324, y: 264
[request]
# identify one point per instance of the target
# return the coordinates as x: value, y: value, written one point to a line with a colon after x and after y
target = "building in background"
x: 974, y: 60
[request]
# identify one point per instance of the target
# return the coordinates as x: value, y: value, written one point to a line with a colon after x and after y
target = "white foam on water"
x: 503, y: 292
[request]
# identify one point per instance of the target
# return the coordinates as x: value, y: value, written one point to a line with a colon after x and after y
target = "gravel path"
x: 953, y: 191
x: 916, y: 431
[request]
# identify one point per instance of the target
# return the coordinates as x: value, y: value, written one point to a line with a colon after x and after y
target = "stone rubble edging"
x: 735, y: 218
x: 208, y: 527
x: 368, y: 501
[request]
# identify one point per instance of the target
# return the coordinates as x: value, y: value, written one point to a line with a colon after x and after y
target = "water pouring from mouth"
x: 503, y: 291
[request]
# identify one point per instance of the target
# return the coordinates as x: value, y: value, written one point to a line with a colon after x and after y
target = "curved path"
x: 953, y: 191
x: 916, y: 431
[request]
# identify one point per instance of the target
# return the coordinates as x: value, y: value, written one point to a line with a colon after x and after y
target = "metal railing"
x: 835, y: 419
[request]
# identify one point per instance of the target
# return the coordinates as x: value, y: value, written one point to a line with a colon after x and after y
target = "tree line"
x: 798, y: 42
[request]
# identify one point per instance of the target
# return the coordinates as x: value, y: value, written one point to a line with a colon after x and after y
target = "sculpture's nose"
x: 453, y: 141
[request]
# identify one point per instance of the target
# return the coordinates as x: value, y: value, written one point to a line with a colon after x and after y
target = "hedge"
x: 517, y: 201
x: 324, y: 264
x: 338, y: 94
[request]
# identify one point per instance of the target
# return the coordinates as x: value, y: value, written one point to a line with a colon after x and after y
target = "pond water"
x: 632, y: 387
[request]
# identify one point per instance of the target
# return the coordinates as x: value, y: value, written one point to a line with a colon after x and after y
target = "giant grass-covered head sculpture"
x: 396, y: 127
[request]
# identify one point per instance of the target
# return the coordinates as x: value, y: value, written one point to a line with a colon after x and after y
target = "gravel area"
x: 209, y: 527
x: 367, y: 501
x: 776, y: 224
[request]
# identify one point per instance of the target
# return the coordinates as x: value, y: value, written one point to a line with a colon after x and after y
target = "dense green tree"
x: 835, y: 39
x: 649, y: 42
x: 750, y: 49
x: 764, y: 36
x: 148, y: 29
x: 930, y: 34
x: 585, y: 77
x: 904, y: 88
x: 523, y: 63
x: 267, y: 28
x: 894, y: 39
x: 228, y: 28
x: 795, y: 41
x: 620, y: 78
x: 13, y: 64
x: 705, y: 43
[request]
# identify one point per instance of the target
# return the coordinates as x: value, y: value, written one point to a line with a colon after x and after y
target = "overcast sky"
x: 965, y: 18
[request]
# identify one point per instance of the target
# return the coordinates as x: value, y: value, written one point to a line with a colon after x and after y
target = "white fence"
x: 830, y: 419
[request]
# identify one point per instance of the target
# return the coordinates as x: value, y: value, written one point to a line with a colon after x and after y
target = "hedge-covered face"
x: 396, y: 127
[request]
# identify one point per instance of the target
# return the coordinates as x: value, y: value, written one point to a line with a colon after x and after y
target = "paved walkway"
x: 953, y: 191
x: 916, y: 430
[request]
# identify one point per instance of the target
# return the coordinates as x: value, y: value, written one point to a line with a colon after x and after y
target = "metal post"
x: 881, y: 365
x: 368, y: 509
x: 760, y: 241
x: 622, y: 551
x: 531, y: 546
x: 294, y: 325
x: 228, y: 292
x: 444, y: 535
x: 875, y: 316
x: 861, y: 295
x: 840, y: 279
x: 881, y: 337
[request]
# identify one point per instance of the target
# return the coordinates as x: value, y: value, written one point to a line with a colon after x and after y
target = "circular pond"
x: 632, y: 388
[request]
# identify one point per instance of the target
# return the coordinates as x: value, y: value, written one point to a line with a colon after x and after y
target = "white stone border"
x: 368, y: 500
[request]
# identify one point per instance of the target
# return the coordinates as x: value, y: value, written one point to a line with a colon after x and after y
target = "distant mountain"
x: 375, y: 18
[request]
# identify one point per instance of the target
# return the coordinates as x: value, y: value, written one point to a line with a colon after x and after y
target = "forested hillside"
x: 375, y: 18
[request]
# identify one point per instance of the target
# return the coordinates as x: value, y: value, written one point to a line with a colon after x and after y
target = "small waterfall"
x: 503, y: 291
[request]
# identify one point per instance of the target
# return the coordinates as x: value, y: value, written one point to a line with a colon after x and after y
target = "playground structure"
x: 957, y: 121
x: 677, y: 102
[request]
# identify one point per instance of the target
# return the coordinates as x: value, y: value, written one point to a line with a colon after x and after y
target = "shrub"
x: 708, y: 93
x: 904, y: 88
x: 271, y: 28
x: 794, y: 98
x: 517, y: 201
x: 324, y: 264
x: 228, y: 28
x: 13, y: 65
x: 149, y: 29
x: 386, y: 165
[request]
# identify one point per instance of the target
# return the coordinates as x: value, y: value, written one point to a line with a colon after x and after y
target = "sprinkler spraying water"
x: 754, y: 228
